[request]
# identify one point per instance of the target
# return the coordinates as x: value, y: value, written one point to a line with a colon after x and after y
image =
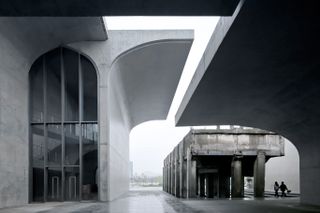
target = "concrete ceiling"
x: 34, y: 36
x: 116, y: 7
x: 149, y: 75
x: 261, y: 69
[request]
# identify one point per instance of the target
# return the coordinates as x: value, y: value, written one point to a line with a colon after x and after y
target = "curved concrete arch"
x: 148, y: 75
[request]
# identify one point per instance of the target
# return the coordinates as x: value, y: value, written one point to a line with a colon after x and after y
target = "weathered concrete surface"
x: 22, y: 40
x: 260, y: 69
x: 117, y: 8
x: 206, y: 156
x: 230, y: 142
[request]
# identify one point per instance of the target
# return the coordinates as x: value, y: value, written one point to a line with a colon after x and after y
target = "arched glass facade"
x: 63, y: 127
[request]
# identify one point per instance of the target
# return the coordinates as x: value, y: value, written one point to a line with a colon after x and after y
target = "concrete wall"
x: 133, y: 68
x: 285, y: 168
x: 14, y: 160
x: 22, y: 40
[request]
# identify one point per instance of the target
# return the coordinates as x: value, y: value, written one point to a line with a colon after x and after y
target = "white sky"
x: 150, y: 142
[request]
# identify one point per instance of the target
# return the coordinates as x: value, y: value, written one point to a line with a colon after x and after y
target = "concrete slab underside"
x: 117, y: 8
x: 260, y: 69
x: 156, y: 201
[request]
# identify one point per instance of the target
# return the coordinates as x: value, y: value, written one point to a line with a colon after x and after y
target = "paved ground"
x: 156, y: 201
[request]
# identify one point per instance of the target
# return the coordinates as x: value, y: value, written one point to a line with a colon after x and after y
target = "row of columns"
x: 179, y: 173
x: 237, y: 178
x: 180, y: 176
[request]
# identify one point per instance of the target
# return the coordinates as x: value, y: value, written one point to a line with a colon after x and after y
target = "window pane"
x: 38, y: 184
x: 89, y: 90
x: 36, y: 87
x: 37, y: 146
x: 53, y: 85
x: 90, y: 161
x: 37, y: 162
x: 72, y: 181
x: 72, y: 144
x: 54, y: 145
x: 54, y: 184
x: 70, y: 60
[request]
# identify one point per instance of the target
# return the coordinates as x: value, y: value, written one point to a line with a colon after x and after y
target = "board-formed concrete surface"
x: 156, y: 201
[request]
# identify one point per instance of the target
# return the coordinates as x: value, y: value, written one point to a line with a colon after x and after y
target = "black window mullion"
x: 80, y: 125
x: 62, y: 123
x: 45, y: 128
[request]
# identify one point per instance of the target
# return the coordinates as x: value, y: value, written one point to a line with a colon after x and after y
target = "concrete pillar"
x: 183, y: 171
x: 191, y: 176
x: 259, y: 174
x: 173, y: 172
x: 163, y: 178
x: 170, y: 173
x: 237, y: 188
x: 177, y: 172
x: 201, y: 185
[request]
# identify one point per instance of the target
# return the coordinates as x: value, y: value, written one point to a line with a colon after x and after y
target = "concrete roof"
x: 260, y: 69
x: 35, y: 36
x: 149, y: 75
x: 116, y: 8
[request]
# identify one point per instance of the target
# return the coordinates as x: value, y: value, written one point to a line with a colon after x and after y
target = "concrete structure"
x: 126, y: 62
x: 209, y: 159
x: 260, y: 69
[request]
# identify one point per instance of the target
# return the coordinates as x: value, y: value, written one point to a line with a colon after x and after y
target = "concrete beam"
x: 117, y: 8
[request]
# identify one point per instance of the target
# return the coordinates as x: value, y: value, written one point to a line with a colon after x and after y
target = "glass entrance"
x: 64, y: 127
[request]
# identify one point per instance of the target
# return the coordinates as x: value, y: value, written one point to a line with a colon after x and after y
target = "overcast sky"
x: 151, y: 141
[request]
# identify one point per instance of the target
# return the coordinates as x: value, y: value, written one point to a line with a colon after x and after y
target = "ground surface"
x: 155, y: 201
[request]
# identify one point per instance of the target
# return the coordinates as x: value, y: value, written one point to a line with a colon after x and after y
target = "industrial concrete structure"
x: 205, y: 161
x: 260, y: 69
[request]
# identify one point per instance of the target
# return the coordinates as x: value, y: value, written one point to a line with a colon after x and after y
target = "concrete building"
x: 205, y: 161
x: 70, y: 94
x: 260, y: 69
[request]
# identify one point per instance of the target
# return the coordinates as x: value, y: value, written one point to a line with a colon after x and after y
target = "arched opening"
x: 63, y: 127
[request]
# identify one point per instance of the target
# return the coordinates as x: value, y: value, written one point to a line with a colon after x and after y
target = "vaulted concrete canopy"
x: 260, y: 69
x: 148, y: 76
x: 117, y: 8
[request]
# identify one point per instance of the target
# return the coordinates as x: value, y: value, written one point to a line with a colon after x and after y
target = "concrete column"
x: 237, y: 188
x: 201, y: 185
x: 191, y: 176
x: 163, y: 179
x: 173, y: 172
x: 170, y: 175
x: 177, y: 172
x: 259, y: 174
x: 183, y: 172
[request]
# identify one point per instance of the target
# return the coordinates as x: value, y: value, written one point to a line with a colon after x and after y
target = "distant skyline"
x: 150, y: 142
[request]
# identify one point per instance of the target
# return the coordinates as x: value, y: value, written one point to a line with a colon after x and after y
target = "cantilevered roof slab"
x: 261, y: 69
x: 117, y: 7
x: 33, y: 36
